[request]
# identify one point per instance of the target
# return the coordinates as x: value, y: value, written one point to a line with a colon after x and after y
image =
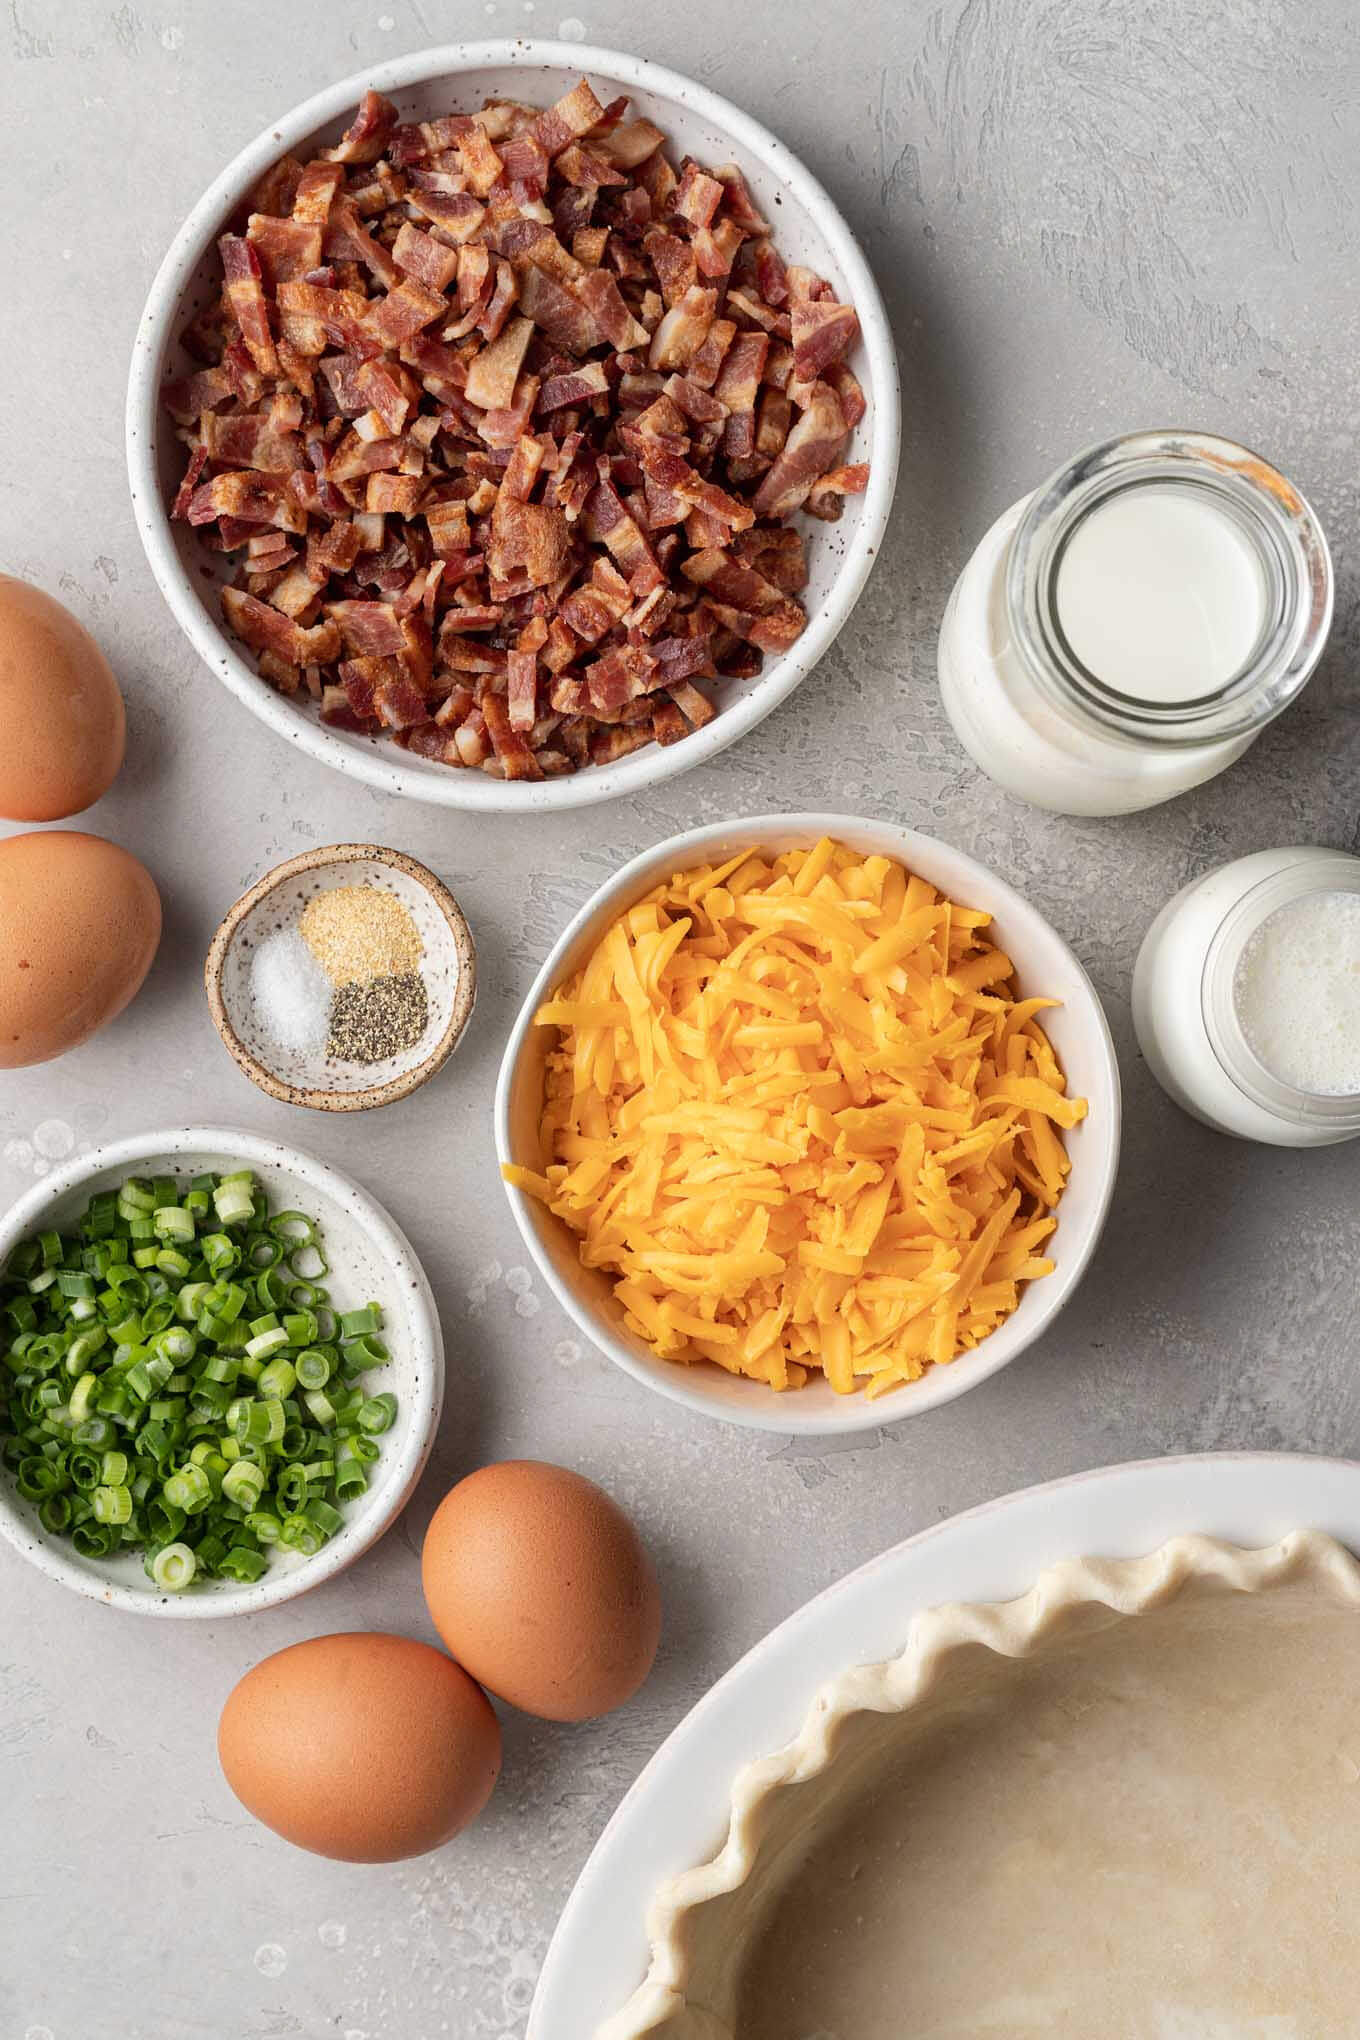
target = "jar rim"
x: 1266, y: 507
x: 1322, y: 871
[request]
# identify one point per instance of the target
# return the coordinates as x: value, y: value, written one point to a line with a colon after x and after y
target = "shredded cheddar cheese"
x: 798, y: 1112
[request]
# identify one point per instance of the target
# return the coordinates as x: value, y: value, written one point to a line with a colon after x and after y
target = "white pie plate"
x: 675, y: 1815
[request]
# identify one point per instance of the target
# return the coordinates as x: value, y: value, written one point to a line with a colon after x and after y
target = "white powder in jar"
x: 291, y: 991
x: 1297, y: 994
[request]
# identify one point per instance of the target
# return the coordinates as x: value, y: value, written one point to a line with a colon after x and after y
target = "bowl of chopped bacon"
x: 512, y: 438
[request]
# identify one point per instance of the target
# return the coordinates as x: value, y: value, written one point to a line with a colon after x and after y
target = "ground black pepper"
x: 374, y: 1018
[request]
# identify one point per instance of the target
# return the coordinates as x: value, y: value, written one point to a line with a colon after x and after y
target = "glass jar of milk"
x: 1129, y: 629
x: 1246, y: 997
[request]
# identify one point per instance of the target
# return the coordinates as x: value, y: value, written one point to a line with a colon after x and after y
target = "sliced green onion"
x: 173, y: 1568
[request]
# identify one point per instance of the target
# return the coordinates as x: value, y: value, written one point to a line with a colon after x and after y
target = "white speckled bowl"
x: 809, y: 229
x: 311, y: 1077
x: 1077, y: 1028
x: 370, y: 1259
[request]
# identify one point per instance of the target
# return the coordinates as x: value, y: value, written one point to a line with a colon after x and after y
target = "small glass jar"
x: 1186, y: 1007
x: 1030, y: 712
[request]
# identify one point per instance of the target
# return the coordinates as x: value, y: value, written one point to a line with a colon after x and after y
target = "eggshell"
x: 364, y: 1747
x: 60, y: 709
x: 79, y: 923
x: 538, y: 1583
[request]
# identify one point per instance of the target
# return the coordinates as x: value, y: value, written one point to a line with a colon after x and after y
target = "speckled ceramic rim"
x: 471, y: 789
x: 810, y: 1412
x: 408, y: 1446
x: 464, y: 996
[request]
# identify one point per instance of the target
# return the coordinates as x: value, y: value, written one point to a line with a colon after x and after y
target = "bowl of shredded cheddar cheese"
x: 810, y: 1122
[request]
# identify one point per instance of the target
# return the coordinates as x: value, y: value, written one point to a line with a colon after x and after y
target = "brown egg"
x: 538, y: 1583
x: 364, y: 1747
x: 79, y: 924
x: 60, y: 709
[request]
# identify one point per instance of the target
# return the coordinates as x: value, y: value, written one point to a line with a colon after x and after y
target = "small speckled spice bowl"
x: 311, y: 1077
x: 370, y: 1259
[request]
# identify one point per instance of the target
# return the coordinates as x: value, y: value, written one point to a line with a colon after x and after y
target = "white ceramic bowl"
x: 461, y: 76
x: 676, y: 1813
x: 370, y: 1259
x: 1044, y: 964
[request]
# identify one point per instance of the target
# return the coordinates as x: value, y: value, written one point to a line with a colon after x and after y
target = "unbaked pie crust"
x: 1048, y: 1818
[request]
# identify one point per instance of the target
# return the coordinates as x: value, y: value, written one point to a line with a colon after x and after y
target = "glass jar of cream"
x: 1126, y: 632
x: 1246, y: 997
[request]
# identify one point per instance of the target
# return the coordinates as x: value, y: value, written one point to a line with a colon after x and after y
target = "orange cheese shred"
x: 798, y: 1111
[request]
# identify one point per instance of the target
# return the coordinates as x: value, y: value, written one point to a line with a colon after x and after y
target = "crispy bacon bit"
x: 811, y: 446
x: 492, y: 377
x: 501, y: 417
x: 365, y: 139
x: 821, y: 334
x: 246, y: 301
x: 266, y: 629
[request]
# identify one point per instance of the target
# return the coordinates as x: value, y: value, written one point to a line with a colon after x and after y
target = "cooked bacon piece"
x: 402, y: 494
x: 184, y: 495
x: 186, y: 397
x: 313, y: 317
x: 438, y: 199
x: 697, y: 196
x: 522, y: 689
x: 586, y: 169
x: 248, y: 440
x: 417, y: 142
x: 696, y: 706
x: 716, y: 248
x: 245, y: 296
x: 266, y: 629
x: 578, y: 387
x: 529, y: 542
x: 624, y: 673
x: 403, y: 313
x: 365, y: 139
x: 556, y: 311
x: 607, y: 519
x: 811, y: 447
x: 724, y: 578
x: 388, y: 390
x: 736, y: 387
x: 671, y: 472
x: 630, y: 143
x: 482, y: 166
x: 492, y: 377
x: 431, y: 262
x: 574, y: 115
x: 316, y: 191
x: 683, y: 330
x: 274, y: 191
x: 367, y: 628
x: 249, y: 498
x: 512, y: 751
x: 602, y: 298
x: 737, y: 200
x: 821, y: 334
x: 673, y: 261
x: 847, y: 388
x: 287, y: 249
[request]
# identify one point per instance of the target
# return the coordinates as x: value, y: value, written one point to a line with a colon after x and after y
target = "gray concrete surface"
x: 1087, y: 216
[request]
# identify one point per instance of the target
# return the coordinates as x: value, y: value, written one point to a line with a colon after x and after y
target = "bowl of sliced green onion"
x: 221, y: 1373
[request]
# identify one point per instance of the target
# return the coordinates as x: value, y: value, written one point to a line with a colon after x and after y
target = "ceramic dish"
x: 1078, y: 1031
x: 370, y: 1258
x: 311, y: 1077
x: 462, y: 76
x: 677, y: 1813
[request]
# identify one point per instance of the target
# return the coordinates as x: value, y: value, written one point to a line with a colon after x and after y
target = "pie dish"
x: 1120, y: 1804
